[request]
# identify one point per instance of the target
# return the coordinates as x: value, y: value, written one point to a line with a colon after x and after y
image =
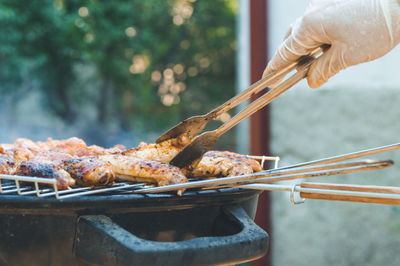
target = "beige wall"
x: 357, y: 109
x: 309, y: 125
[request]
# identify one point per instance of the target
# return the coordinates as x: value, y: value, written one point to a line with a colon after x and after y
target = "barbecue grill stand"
x: 201, y: 226
x: 236, y: 238
x: 118, y: 226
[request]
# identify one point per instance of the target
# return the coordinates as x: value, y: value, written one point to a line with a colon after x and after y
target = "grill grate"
x: 47, y: 187
x: 22, y: 185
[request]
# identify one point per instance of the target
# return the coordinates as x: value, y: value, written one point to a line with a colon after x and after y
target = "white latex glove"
x: 357, y: 30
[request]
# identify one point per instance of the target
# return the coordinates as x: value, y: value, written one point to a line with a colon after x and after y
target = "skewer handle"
x: 356, y: 188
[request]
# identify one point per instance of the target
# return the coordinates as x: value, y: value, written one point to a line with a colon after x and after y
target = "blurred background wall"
x: 357, y: 109
x: 112, y: 72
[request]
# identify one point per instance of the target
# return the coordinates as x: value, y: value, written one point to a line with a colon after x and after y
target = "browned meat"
x: 95, y: 150
x: 48, y: 159
x: 7, y: 150
x: 7, y: 165
x: 47, y: 170
x: 162, y: 152
x: 136, y: 169
x: 25, y: 149
x: 23, y: 154
x: 26, y: 143
x: 89, y: 171
x: 51, y: 157
x: 69, y: 146
x: 255, y: 165
x: 219, y: 164
x: 71, y: 161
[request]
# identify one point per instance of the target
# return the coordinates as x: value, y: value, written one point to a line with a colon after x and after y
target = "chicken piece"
x: 220, y: 164
x: 36, y: 169
x: 136, y: 169
x: 23, y: 154
x: 95, y: 150
x: 77, y: 147
x: 89, y: 171
x: 7, y: 165
x: 255, y: 165
x: 69, y: 146
x: 162, y: 152
x: 52, y: 157
x: 30, y: 159
x: 45, y: 169
x: 25, y: 149
x: 7, y: 150
x: 27, y: 143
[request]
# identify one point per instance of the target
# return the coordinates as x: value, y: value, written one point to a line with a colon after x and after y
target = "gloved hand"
x: 357, y: 30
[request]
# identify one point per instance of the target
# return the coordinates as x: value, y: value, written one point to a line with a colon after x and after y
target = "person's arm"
x: 357, y: 30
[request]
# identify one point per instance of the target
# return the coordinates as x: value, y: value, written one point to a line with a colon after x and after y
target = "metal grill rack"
x: 41, y: 187
x: 47, y: 187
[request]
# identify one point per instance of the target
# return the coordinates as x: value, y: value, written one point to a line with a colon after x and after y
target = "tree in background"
x: 141, y: 64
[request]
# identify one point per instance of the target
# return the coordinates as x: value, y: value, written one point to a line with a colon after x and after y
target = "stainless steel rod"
x: 328, y: 172
x: 298, y: 188
x: 29, y: 179
x: 96, y: 191
x: 348, y: 156
x: 278, y: 173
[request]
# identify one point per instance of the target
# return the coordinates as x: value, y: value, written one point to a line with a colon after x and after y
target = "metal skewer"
x: 274, y: 175
x: 340, y: 192
x: 314, y: 172
x: 348, y: 156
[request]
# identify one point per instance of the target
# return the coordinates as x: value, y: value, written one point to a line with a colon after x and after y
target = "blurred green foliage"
x: 139, y: 64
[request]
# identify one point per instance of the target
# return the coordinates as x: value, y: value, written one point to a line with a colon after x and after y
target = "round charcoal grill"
x: 123, y: 228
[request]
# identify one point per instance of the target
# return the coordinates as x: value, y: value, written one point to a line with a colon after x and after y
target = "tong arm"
x: 259, y: 86
x: 194, y: 125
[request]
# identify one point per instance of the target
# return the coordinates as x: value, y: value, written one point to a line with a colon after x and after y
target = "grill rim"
x: 116, y: 203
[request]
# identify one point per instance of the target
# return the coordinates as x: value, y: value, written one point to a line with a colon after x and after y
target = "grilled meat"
x: 89, y: 171
x: 38, y: 168
x: 78, y: 148
x: 7, y: 150
x: 255, y: 165
x: 219, y: 164
x: 213, y: 163
x: 25, y: 149
x: 72, y: 162
x: 95, y: 150
x: 69, y: 146
x: 162, y: 152
x: 136, y: 169
x: 47, y: 170
x: 7, y: 165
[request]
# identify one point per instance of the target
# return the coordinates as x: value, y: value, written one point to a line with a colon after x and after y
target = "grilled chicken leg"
x: 161, y: 152
x: 89, y: 171
x: 47, y: 170
x: 218, y: 164
x: 136, y: 169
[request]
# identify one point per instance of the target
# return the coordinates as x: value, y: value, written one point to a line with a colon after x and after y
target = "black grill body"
x: 199, y: 228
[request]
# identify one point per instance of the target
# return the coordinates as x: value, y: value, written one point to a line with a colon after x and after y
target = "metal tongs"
x: 206, y: 141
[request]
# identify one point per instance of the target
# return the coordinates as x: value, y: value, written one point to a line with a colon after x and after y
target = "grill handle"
x: 99, y: 240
